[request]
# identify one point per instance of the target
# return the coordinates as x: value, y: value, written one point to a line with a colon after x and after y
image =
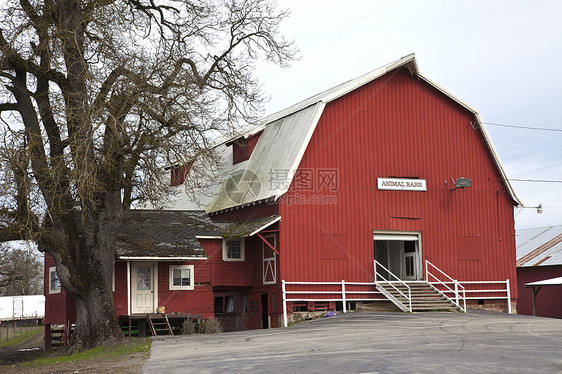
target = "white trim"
x: 154, y: 286
x: 128, y: 287
x: 113, y: 279
x: 171, y: 286
x: 155, y: 300
x: 207, y: 237
x: 225, y: 249
x: 269, y: 262
x: 401, y: 236
x: 265, y: 226
x: 53, y: 269
x: 414, y: 236
x: 140, y: 258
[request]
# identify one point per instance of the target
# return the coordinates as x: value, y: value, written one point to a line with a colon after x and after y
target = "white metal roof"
x: 547, y: 282
x: 286, y: 135
x: 540, y: 246
x: 273, y: 162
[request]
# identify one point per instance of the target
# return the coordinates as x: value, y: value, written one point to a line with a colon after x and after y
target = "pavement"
x: 476, y: 342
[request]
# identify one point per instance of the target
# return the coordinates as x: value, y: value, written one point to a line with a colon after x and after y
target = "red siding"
x: 196, y: 301
x: 59, y: 307
x: 398, y: 126
x: 549, y: 299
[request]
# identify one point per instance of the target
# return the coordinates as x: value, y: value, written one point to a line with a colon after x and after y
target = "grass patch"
x: 131, y: 346
x: 32, y: 331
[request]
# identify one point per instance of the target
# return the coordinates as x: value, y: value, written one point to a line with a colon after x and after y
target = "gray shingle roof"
x: 155, y: 233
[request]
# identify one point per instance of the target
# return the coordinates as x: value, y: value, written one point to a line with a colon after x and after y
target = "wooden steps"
x: 159, y: 324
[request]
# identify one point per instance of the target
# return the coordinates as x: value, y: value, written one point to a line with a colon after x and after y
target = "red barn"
x: 539, y: 258
x: 387, y: 169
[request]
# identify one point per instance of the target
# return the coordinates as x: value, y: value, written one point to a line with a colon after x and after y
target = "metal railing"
x: 445, y: 284
x: 390, y: 283
x: 338, y: 292
x: 476, y: 291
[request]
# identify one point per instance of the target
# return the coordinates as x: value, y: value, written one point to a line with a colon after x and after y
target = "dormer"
x: 178, y: 173
x: 242, y: 147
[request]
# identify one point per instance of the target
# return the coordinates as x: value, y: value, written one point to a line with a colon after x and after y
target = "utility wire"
x: 534, y: 180
x: 523, y: 127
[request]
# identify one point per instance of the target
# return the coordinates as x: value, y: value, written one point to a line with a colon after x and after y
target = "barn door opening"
x: 399, y: 253
x: 264, y: 311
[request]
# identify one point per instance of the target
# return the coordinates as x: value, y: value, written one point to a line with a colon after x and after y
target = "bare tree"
x: 97, y: 96
x: 21, y: 272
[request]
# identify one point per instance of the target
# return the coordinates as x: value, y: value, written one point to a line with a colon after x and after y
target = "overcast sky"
x: 502, y: 58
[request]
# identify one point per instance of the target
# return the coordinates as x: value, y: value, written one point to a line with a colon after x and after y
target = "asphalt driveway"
x: 476, y: 342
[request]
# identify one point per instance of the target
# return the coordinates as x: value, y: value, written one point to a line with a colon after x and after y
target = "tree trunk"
x: 96, y: 322
x: 93, y: 266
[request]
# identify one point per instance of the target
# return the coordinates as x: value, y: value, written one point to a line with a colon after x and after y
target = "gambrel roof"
x: 285, y: 136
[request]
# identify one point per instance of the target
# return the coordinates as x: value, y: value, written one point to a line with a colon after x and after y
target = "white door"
x: 142, y: 284
x: 409, y: 266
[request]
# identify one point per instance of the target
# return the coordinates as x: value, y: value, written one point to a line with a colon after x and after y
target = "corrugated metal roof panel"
x: 539, y: 246
x: 273, y: 162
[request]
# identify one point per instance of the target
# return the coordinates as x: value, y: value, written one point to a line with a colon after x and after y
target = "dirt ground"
x: 13, y: 358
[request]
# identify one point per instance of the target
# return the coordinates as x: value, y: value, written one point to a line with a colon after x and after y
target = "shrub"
x: 211, y: 326
x: 188, y: 327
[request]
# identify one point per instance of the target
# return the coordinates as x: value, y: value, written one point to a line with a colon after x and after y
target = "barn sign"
x: 402, y: 184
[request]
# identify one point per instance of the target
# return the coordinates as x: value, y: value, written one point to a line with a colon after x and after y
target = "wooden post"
x: 535, y: 292
x: 47, y: 336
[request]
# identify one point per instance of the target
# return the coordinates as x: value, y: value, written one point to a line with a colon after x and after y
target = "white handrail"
x: 343, y: 291
x: 444, y: 284
x: 409, y: 297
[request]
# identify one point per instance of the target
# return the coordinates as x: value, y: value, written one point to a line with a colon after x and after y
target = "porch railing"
x: 391, y: 284
x: 445, y: 290
x: 334, y: 291
x: 485, y: 290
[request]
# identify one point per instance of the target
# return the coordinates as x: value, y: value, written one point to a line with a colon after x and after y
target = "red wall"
x: 59, y: 307
x: 196, y: 301
x: 548, y: 300
x: 398, y: 126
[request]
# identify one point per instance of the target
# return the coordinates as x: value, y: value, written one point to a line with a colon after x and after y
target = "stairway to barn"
x: 424, y: 297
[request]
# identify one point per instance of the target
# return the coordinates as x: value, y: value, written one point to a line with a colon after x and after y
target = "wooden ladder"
x: 159, y: 324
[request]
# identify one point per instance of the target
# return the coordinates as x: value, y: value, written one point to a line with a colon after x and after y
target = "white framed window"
x: 233, y: 249
x: 181, y: 277
x: 54, y: 282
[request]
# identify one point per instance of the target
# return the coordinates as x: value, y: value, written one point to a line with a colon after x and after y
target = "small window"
x: 233, y: 250
x: 54, y: 282
x: 181, y: 277
x: 224, y: 304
